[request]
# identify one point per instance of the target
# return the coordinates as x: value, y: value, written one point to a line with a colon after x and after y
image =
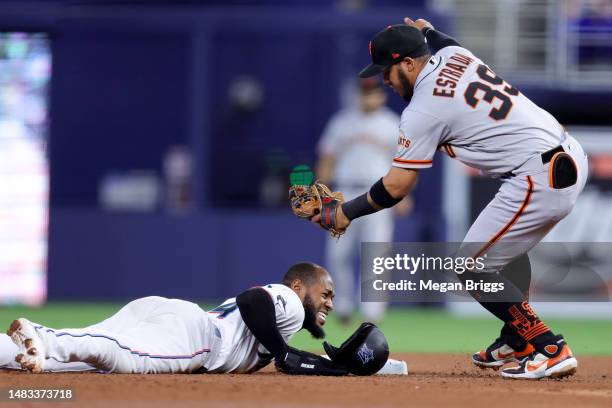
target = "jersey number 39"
x: 489, y: 94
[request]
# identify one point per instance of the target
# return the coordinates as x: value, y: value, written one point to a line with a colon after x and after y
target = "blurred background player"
x: 354, y: 151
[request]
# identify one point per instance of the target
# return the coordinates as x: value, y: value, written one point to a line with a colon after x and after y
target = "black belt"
x: 547, y: 156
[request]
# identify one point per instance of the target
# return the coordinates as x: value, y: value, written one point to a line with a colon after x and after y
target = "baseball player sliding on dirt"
x: 458, y: 105
x: 242, y: 335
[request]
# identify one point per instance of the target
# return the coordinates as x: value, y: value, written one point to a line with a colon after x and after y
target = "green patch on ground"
x: 437, y: 331
x: 408, y: 330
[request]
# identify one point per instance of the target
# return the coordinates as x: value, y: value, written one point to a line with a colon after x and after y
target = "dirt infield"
x: 434, y: 380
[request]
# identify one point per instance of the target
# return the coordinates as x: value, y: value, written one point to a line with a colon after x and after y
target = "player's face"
x: 317, y: 300
x: 322, y: 295
x: 397, y: 77
x: 373, y: 100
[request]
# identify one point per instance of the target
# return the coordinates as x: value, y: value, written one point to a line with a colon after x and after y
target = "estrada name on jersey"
x: 240, y: 352
x: 460, y: 106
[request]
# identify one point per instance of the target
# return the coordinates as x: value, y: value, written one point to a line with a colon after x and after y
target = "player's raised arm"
x: 435, y: 39
x: 258, y: 313
x: 399, y: 182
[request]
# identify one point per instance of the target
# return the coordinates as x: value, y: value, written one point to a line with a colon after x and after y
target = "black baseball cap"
x: 392, y: 45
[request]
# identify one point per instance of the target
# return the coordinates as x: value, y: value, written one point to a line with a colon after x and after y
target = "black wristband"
x: 425, y: 30
x: 358, y: 207
x: 300, y: 362
x: 380, y: 195
x: 437, y: 40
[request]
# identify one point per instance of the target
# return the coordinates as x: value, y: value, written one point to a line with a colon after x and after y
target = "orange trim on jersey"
x: 513, y: 221
x: 551, y: 167
x: 449, y: 150
x: 402, y: 161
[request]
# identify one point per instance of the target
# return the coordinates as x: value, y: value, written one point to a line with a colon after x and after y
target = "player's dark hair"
x: 307, y: 272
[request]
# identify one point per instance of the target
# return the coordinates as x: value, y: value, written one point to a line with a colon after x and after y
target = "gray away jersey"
x: 460, y: 106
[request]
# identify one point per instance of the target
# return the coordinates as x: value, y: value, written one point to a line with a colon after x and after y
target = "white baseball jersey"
x: 159, y: 335
x: 462, y: 107
x: 240, y: 351
x: 363, y: 144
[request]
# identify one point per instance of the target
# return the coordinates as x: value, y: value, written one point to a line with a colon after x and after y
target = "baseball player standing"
x: 354, y: 151
x: 458, y: 104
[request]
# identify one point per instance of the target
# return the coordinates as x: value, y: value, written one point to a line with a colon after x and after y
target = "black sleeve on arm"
x: 257, y: 310
x: 358, y: 207
x: 258, y: 313
x: 304, y: 363
x: 438, y: 40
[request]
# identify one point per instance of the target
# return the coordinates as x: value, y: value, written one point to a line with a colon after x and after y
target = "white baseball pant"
x: 148, y: 335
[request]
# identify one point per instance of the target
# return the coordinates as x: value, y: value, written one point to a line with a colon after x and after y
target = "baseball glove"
x: 310, y: 200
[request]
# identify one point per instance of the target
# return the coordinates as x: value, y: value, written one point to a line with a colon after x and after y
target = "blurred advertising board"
x: 24, y: 77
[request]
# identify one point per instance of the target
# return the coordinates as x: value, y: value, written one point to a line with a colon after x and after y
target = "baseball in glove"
x: 309, y: 198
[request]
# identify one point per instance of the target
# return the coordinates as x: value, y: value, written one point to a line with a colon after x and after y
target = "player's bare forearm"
x: 400, y: 182
x: 385, y: 193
